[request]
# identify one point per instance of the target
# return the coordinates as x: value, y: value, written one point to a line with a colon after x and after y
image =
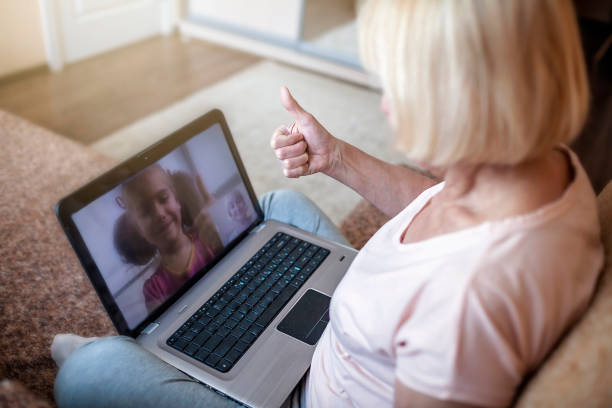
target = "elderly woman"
x: 465, y: 291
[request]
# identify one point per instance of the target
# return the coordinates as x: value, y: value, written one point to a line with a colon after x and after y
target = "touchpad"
x: 308, y: 318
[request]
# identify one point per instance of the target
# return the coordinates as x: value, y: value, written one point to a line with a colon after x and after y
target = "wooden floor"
x: 90, y: 99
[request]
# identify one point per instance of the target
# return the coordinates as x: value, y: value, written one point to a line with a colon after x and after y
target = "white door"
x: 77, y: 29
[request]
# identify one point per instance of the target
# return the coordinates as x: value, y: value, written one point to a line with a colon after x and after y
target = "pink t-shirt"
x: 461, y: 316
x: 163, y: 284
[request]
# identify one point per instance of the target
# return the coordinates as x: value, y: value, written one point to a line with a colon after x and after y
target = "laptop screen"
x: 153, y: 233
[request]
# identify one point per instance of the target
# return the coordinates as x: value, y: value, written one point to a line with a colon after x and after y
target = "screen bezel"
x: 77, y: 200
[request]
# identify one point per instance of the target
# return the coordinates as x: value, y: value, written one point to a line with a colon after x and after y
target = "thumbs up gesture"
x: 305, y: 147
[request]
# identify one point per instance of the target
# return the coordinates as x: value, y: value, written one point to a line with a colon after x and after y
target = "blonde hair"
x: 477, y: 81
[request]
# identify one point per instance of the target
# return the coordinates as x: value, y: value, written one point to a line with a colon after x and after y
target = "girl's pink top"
x: 162, y: 284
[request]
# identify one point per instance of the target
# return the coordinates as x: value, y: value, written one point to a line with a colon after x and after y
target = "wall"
x: 279, y: 19
x: 21, y: 41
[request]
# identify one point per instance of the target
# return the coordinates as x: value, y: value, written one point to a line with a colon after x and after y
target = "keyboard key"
x: 223, y: 331
x: 223, y: 366
x: 302, y: 261
x: 261, y: 291
x: 238, y: 332
x: 252, y: 316
x: 290, y: 290
x: 255, y: 329
x: 212, y: 360
x: 202, y: 355
x: 248, y: 337
x: 233, y: 355
x: 244, y: 325
x: 321, y: 255
x: 204, y: 320
x: 275, y: 307
x: 237, y: 316
x: 180, y: 344
x: 241, y: 346
x: 225, y: 346
x: 213, y: 342
x: 201, y: 339
x: 230, y: 323
x: 191, y: 349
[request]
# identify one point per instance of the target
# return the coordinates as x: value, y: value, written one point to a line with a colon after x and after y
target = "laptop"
x: 244, y: 313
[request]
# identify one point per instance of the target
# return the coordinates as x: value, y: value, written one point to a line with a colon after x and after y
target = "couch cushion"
x: 579, y: 372
x: 44, y: 289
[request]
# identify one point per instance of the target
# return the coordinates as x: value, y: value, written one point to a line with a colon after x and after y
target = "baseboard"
x: 278, y: 53
x: 16, y: 76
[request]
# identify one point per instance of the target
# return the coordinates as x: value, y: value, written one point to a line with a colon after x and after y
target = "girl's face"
x: 154, y: 207
x: 237, y: 208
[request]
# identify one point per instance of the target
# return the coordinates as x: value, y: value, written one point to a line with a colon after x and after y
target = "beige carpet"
x: 250, y: 101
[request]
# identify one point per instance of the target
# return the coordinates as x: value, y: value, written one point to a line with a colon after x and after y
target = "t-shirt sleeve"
x: 154, y: 292
x: 462, y: 345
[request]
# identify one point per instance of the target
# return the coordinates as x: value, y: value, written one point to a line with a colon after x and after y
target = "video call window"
x: 151, y: 234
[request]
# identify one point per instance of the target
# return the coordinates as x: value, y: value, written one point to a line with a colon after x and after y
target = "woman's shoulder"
x: 554, y: 191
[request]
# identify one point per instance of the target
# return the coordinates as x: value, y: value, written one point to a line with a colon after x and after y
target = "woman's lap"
x: 296, y: 209
x: 116, y: 371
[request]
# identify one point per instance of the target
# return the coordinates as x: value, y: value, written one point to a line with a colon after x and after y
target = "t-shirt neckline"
x: 464, y: 236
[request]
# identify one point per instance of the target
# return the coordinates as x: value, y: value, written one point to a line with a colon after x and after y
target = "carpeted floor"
x: 250, y: 101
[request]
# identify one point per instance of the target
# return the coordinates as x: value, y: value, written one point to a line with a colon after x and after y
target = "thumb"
x: 291, y: 104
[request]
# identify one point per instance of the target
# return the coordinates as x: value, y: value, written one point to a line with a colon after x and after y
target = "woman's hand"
x: 305, y: 147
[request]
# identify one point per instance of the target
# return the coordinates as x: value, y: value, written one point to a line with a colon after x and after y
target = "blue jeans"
x: 117, y: 372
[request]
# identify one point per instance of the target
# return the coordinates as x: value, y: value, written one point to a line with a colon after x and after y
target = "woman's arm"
x: 387, y: 186
x: 307, y: 147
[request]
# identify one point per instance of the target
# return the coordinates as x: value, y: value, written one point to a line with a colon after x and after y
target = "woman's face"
x: 155, y: 209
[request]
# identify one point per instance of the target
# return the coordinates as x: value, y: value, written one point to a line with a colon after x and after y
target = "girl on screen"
x: 153, y: 209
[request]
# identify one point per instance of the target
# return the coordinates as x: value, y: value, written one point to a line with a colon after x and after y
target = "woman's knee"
x: 90, y: 366
x: 272, y: 201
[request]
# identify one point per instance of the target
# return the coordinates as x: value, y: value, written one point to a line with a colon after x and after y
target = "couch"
x: 44, y: 291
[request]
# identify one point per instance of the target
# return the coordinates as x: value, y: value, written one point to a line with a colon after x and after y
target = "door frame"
x: 51, y: 31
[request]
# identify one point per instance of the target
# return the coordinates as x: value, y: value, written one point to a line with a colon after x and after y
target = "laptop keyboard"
x: 224, y: 328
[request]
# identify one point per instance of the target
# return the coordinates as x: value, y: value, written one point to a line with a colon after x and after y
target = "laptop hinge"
x: 150, y: 328
x: 258, y: 228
